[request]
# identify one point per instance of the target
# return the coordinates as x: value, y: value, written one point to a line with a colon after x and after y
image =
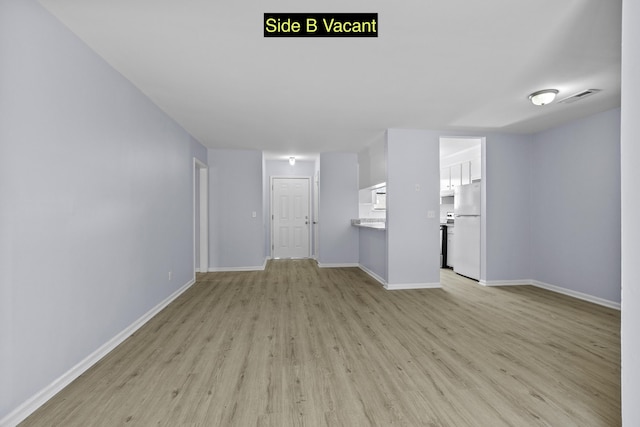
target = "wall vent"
x: 578, y: 96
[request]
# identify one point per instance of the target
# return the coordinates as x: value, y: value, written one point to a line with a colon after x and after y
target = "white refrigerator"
x: 466, y: 238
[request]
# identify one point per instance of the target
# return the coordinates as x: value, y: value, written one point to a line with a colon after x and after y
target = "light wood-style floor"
x: 296, y: 345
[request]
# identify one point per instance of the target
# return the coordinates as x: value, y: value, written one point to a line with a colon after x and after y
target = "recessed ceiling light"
x: 292, y: 160
x: 543, y: 97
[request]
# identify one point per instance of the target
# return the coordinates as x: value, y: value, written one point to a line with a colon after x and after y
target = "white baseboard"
x: 372, y: 274
x: 397, y: 287
x: 220, y: 269
x: 405, y: 286
x: 338, y: 265
x: 576, y: 294
x: 249, y: 268
x: 504, y: 282
x: 20, y: 413
x: 553, y: 288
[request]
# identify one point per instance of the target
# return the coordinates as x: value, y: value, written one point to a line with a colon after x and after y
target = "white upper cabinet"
x: 455, y: 175
x: 466, y: 173
x: 459, y: 167
x: 476, y: 169
x: 445, y: 179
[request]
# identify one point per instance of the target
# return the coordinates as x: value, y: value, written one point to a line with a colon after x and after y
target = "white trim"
x: 372, y: 274
x: 204, y: 218
x: 247, y: 268
x: 576, y: 294
x: 220, y: 269
x: 504, y: 282
x: 201, y: 175
x: 29, y: 406
x: 338, y: 265
x: 404, y: 286
x: 553, y: 288
x: 315, y: 188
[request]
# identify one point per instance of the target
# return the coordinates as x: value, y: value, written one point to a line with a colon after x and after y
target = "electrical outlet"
x: 170, y: 275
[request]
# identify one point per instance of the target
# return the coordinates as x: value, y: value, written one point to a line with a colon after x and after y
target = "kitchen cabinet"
x: 445, y: 179
x: 476, y: 169
x: 466, y: 173
x: 456, y: 176
x: 459, y: 174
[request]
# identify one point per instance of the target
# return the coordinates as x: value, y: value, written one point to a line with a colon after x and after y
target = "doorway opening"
x: 316, y: 212
x: 461, y: 195
x: 200, y: 216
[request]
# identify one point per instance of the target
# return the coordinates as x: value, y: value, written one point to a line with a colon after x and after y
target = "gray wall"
x: 630, y: 153
x: 535, y: 226
x: 506, y: 204
x: 413, y: 246
x: 235, y: 192
x: 337, y: 238
x: 373, y: 252
x: 96, y: 193
x: 575, y: 206
x: 372, y: 163
x: 282, y: 168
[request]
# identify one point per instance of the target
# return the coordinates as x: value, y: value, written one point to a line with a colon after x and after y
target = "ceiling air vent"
x: 578, y: 96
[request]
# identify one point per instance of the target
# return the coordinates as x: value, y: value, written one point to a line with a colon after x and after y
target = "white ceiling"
x: 438, y: 64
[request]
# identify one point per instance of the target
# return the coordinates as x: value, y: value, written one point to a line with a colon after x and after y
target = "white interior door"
x: 290, y: 218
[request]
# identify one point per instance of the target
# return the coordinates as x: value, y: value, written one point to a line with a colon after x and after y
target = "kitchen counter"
x: 374, y: 223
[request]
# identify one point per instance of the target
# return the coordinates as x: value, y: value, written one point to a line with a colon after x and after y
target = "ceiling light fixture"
x: 543, y: 97
x: 292, y: 160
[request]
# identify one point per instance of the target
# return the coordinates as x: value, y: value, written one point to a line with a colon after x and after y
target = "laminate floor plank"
x: 296, y: 345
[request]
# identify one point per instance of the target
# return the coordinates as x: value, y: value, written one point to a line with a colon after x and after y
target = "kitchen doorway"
x: 290, y: 220
x: 460, y: 172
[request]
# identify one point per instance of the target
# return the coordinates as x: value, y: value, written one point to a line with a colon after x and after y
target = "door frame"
x: 483, y: 197
x: 316, y: 213
x: 201, y: 205
x: 271, y: 218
